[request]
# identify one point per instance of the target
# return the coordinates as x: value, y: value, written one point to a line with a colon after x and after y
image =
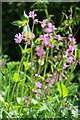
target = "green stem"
x: 13, y: 91
x: 45, y: 67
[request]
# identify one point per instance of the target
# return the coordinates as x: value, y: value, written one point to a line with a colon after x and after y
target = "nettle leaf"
x: 25, y: 18
x: 62, y: 89
x: 18, y: 23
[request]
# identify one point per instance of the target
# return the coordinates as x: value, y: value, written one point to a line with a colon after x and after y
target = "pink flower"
x: 52, y: 81
x: 51, y: 45
x: 40, y: 52
x: 50, y: 25
x: 38, y: 85
x: 59, y: 37
x: 48, y: 80
x: 70, y: 59
x: 32, y: 15
x: 50, y: 28
x: 45, y: 39
x: 37, y: 93
x: 43, y: 23
x: 65, y: 66
x: 18, y: 37
x: 31, y: 36
x: 45, y: 87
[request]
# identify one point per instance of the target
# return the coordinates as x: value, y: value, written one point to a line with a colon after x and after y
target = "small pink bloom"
x: 45, y: 87
x: 52, y: 81
x: 51, y: 45
x: 18, y: 37
x: 40, y: 52
x: 48, y: 80
x: 31, y: 36
x: 45, y: 39
x: 32, y: 15
x: 43, y: 23
x: 50, y: 25
x: 65, y: 66
x: 70, y: 59
x: 38, y: 85
x: 59, y: 37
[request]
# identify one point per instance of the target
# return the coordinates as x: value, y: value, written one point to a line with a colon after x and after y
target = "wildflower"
x: 26, y: 101
x: 19, y: 37
x: 31, y: 36
x: 51, y: 45
x: 37, y: 94
x: 45, y: 87
x: 40, y: 52
x: 32, y: 15
x: 70, y: 59
x: 43, y: 23
x: 65, y: 66
x: 38, y: 85
x: 59, y: 37
x: 52, y: 81
x: 48, y: 80
x: 45, y: 39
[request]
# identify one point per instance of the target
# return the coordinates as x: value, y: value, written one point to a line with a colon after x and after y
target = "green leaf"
x: 77, y: 52
x: 59, y: 88
x: 34, y: 101
x: 26, y: 50
x: 26, y: 28
x: 60, y: 43
x: 37, y: 41
x: 64, y: 90
x: 26, y: 65
x: 18, y: 23
x: 52, y: 41
x: 16, y: 77
x: 25, y: 18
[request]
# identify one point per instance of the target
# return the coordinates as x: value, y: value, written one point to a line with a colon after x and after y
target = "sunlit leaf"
x: 64, y: 90
x: 16, y: 77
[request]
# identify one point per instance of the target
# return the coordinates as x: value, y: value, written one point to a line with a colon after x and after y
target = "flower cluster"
x: 19, y: 37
